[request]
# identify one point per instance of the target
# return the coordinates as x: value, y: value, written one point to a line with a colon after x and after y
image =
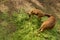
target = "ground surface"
x: 20, y: 27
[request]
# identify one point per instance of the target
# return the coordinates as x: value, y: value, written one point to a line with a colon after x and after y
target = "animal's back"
x: 48, y: 24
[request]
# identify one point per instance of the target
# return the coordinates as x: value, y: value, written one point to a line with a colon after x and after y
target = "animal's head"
x: 37, y: 12
x: 34, y: 12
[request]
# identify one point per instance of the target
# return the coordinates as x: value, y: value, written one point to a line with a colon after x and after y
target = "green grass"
x: 22, y: 27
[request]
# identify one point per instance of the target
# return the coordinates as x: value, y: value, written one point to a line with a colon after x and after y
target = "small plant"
x: 21, y: 27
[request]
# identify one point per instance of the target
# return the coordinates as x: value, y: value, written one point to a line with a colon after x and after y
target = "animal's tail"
x: 48, y: 15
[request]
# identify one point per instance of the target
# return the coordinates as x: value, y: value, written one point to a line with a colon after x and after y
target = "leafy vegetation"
x: 22, y: 27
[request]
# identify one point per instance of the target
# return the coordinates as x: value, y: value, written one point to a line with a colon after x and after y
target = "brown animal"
x: 49, y: 23
x: 37, y: 12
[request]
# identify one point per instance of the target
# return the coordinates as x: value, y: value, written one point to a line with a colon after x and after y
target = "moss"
x: 24, y: 27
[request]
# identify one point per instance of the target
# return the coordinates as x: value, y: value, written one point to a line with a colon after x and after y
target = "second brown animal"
x: 49, y: 23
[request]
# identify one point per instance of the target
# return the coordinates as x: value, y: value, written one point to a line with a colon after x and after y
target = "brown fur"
x: 49, y: 23
x: 37, y: 12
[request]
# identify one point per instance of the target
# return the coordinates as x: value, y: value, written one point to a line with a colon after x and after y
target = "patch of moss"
x: 24, y: 27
